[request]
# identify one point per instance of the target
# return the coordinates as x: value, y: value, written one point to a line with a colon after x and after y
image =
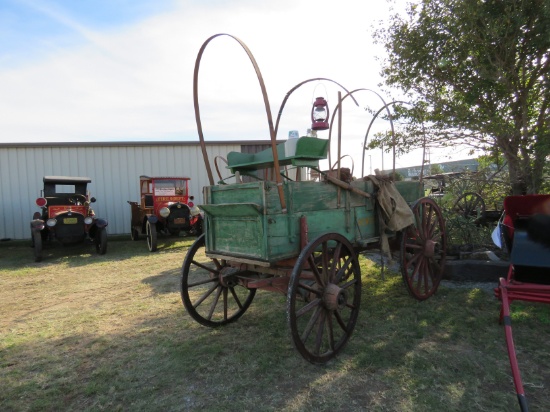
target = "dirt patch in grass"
x: 80, y: 331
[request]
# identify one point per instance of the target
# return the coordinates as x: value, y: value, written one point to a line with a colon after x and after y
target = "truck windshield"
x: 175, y: 187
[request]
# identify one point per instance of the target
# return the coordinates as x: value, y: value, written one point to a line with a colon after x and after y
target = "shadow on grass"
x: 165, y: 282
x: 446, y: 353
x: 20, y: 253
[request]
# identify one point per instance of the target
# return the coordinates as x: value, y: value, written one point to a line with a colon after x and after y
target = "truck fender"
x: 152, y: 219
x: 101, y: 223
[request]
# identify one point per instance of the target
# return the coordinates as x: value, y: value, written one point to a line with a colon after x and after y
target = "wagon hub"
x: 335, y: 297
x: 228, y: 277
x: 431, y: 248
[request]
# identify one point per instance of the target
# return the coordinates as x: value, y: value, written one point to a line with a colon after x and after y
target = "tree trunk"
x: 517, y: 178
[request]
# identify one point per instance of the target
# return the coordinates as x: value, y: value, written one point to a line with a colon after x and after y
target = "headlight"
x: 195, y: 211
x: 51, y: 222
x: 164, y: 212
x: 88, y: 220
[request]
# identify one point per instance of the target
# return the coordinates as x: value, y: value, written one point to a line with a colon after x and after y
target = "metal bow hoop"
x: 384, y: 107
x: 299, y: 85
x: 393, y: 137
x: 267, y: 109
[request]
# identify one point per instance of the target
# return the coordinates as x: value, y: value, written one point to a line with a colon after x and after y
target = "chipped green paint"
x: 245, y: 220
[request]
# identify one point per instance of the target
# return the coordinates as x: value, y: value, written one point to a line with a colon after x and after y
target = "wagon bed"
x: 245, y: 222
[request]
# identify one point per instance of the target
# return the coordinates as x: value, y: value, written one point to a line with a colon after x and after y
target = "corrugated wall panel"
x: 114, y: 170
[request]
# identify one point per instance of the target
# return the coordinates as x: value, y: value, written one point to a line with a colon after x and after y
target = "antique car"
x: 166, y: 207
x: 66, y: 215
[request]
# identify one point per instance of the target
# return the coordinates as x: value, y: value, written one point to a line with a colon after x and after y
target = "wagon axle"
x: 228, y: 277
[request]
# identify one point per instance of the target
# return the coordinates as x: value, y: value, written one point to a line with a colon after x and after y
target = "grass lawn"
x: 84, y: 332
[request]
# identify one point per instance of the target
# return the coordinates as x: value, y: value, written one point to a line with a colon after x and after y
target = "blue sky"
x: 30, y: 29
x: 122, y: 70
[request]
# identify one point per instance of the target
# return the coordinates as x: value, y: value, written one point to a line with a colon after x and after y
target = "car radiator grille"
x: 179, y: 217
x: 70, y: 232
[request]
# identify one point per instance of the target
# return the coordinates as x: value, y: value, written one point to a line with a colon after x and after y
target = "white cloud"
x: 136, y: 82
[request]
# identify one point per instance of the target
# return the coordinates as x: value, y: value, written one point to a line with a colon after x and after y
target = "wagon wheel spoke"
x: 206, y: 294
x: 421, y: 247
x: 236, y: 297
x: 413, y: 246
x: 335, y: 263
x: 311, y: 305
x: 413, y: 260
x: 314, y: 269
x: 428, y: 225
x: 311, y: 323
x: 419, y: 219
x: 324, y: 291
x: 211, y: 270
x: 319, y: 336
x: 340, y: 321
x: 349, y: 284
x: 215, y: 303
x: 326, y: 264
x: 209, y: 298
x: 308, y: 288
x: 423, y: 284
x: 330, y: 332
x: 343, y: 271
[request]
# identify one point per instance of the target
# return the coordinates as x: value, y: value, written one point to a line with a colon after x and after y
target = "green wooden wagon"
x: 308, y: 251
x: 303, y: 238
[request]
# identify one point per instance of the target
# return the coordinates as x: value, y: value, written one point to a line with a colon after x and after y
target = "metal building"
x: 114, y: 169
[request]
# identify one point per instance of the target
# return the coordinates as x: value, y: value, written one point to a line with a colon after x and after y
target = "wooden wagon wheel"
x: 423, y: 250
x: 470, y: 204
x: 211, y: 295
x: 323, y: 298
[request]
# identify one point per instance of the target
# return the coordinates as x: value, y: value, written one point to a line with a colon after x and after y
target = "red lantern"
x: 319, y: 114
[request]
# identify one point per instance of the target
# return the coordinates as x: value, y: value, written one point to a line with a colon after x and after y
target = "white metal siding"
x: 114, y: 170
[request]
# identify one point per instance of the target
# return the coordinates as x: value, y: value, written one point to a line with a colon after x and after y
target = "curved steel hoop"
x: 336, y: 110
x: 267, y: 109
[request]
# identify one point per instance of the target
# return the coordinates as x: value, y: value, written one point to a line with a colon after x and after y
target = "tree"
x: 476, y: 73
x: 436, y: 169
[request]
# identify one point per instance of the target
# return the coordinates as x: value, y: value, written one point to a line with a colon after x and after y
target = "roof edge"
x: 137, y: 143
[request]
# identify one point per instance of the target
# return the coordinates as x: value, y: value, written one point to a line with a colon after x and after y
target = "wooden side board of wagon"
x: 165, y: 207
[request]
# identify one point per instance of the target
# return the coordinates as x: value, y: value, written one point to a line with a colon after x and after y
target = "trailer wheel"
x: 324, y: 295
x: 212, y: 296
x: 151, y: 231
x: 423, y: 250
